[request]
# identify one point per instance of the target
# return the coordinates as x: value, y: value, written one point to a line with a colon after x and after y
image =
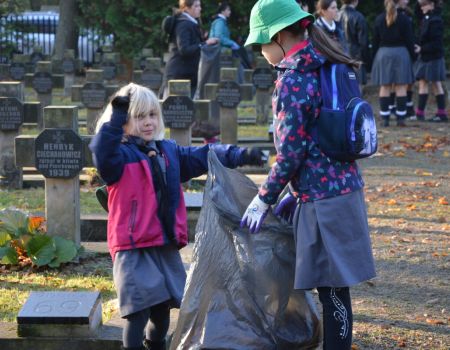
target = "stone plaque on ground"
x: 42, y: 82
x: 152, y: 78
x: 59, y: 153
x: 11, y: 113
x: 17, y: 71
x: 228, y: 94
x: 109, y: 70
x: 93, y: 95
x: 68, y: 65
x: 178, y: 112
x: 60, y: 314
x: 36, y: 57
x: 263, y: 78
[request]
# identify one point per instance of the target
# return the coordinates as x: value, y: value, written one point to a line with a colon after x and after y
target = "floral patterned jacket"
x: 296, y: 102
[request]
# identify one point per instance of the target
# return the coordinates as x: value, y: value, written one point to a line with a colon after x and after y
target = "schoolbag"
x: 345, y: 129
x: 168, y: 26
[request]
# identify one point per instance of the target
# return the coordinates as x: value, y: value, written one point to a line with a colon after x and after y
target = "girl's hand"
x: 212, y: 41
x: 416, y: 48
x: 120, y: 105
x: 255, y: 214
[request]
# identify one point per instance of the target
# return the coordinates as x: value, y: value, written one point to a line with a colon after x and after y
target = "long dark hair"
x: 323, y: 43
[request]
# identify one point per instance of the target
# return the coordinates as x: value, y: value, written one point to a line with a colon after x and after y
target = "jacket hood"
x: 306, y: 59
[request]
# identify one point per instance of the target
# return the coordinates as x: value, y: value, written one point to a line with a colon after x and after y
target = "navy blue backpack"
x: 345, y: 129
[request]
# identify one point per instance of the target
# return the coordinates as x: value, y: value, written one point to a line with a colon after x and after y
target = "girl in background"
x: 393, y: 42
x: 327, y: 12
x: 430, y: 66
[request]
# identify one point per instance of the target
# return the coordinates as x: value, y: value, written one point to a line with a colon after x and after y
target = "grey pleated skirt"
x: 332, y: 243
x: 147, y: 277
x: 392, y: 65
x: 430, y: 71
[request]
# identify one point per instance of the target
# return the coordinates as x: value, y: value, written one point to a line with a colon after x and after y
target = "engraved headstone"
x: 263, y: 78
x: 151, y: 78
x: 226, y: 61
x: 228, y: 94
x: 60, y: 314
x: 178, y: 112
x: 59, y: 153
x: 17, y: 71
x: 93, y: 95
x: 68, y: 65
x: 11, y: 113
x: 109, y: 70
x: 42, y: 82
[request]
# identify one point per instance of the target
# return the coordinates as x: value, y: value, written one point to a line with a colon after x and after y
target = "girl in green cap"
x: 333, y: 249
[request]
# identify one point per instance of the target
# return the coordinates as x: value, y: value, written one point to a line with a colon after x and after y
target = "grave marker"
x: 17, y: 71
x: 11, y: 118
x: 179, y: 104
x: 60, y: 314
x: 263, y: 79
x: 59, y: 153
x: 42, y: 82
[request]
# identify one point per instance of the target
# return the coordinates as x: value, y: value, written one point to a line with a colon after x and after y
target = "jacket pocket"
x: 132, y: 220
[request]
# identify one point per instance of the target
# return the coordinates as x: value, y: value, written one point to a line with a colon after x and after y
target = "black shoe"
x: 410, y: 113
x: 439, y: 119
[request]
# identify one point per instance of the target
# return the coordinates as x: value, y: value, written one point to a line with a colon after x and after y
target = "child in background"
x: 430, y: 66
x: 147, y: 220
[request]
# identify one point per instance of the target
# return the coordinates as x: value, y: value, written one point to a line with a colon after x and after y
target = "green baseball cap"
x: 268, y: 17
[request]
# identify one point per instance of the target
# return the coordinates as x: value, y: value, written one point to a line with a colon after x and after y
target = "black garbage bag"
x: 239, y: 292
x: 208, y: 68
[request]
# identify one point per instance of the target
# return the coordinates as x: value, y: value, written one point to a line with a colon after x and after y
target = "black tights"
x: 155, y: 320
x: 337, y: 318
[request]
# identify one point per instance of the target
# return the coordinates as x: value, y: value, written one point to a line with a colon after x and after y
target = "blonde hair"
x: 142, y: 102
x: 391, y: 11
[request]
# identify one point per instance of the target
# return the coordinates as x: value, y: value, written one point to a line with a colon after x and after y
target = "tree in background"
x: 67, y: 31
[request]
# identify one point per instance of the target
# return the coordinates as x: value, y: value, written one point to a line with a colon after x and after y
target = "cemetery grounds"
x: 407, y: 192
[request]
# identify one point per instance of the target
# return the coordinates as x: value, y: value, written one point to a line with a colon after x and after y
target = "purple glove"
x: 286, y: 208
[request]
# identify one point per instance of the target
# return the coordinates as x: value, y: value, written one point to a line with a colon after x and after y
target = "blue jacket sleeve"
x: 108, y: 158
x: 219, y: 29
x: 194, y: 160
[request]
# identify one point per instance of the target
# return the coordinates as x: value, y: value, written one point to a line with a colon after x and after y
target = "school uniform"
x: 394, y: 47
x: 334, y: 31
x: 330, y: 191
x: 430, y: 65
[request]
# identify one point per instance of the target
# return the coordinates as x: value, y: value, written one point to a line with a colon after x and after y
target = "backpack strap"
x: 334, y: 86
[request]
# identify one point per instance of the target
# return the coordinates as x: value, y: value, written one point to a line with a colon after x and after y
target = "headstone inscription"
x: 60, y: 314
x: 42, y: 82
x: 179, y: 105
x: 17, y: 71
x: 11, y: 113
x: 59, y: 153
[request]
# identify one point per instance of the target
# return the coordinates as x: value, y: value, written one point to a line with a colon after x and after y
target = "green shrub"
x: 23, y: 241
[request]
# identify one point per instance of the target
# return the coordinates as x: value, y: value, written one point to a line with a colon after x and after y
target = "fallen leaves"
x: 443, y: 201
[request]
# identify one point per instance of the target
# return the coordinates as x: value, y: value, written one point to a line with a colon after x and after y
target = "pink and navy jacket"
x: 132, y: 220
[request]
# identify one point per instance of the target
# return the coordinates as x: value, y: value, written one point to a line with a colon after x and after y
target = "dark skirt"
x: 392, y: 65
x: 333, y: 243
x: 430, y: 71
x: 147, y: 277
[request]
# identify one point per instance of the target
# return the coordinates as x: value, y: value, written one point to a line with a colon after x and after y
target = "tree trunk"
x: 67, y: 31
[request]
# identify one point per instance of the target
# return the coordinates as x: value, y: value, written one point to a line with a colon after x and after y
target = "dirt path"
x: 407, y: 192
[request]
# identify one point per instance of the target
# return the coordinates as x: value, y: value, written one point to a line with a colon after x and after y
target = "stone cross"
x: 149, y: 74
x: 228, y: 93
x: 68, y: 66
x: 178, y: 111
x: 11, y: 119
x: 59, y: 154
x: 93, y: 94
x: 263, y: 78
